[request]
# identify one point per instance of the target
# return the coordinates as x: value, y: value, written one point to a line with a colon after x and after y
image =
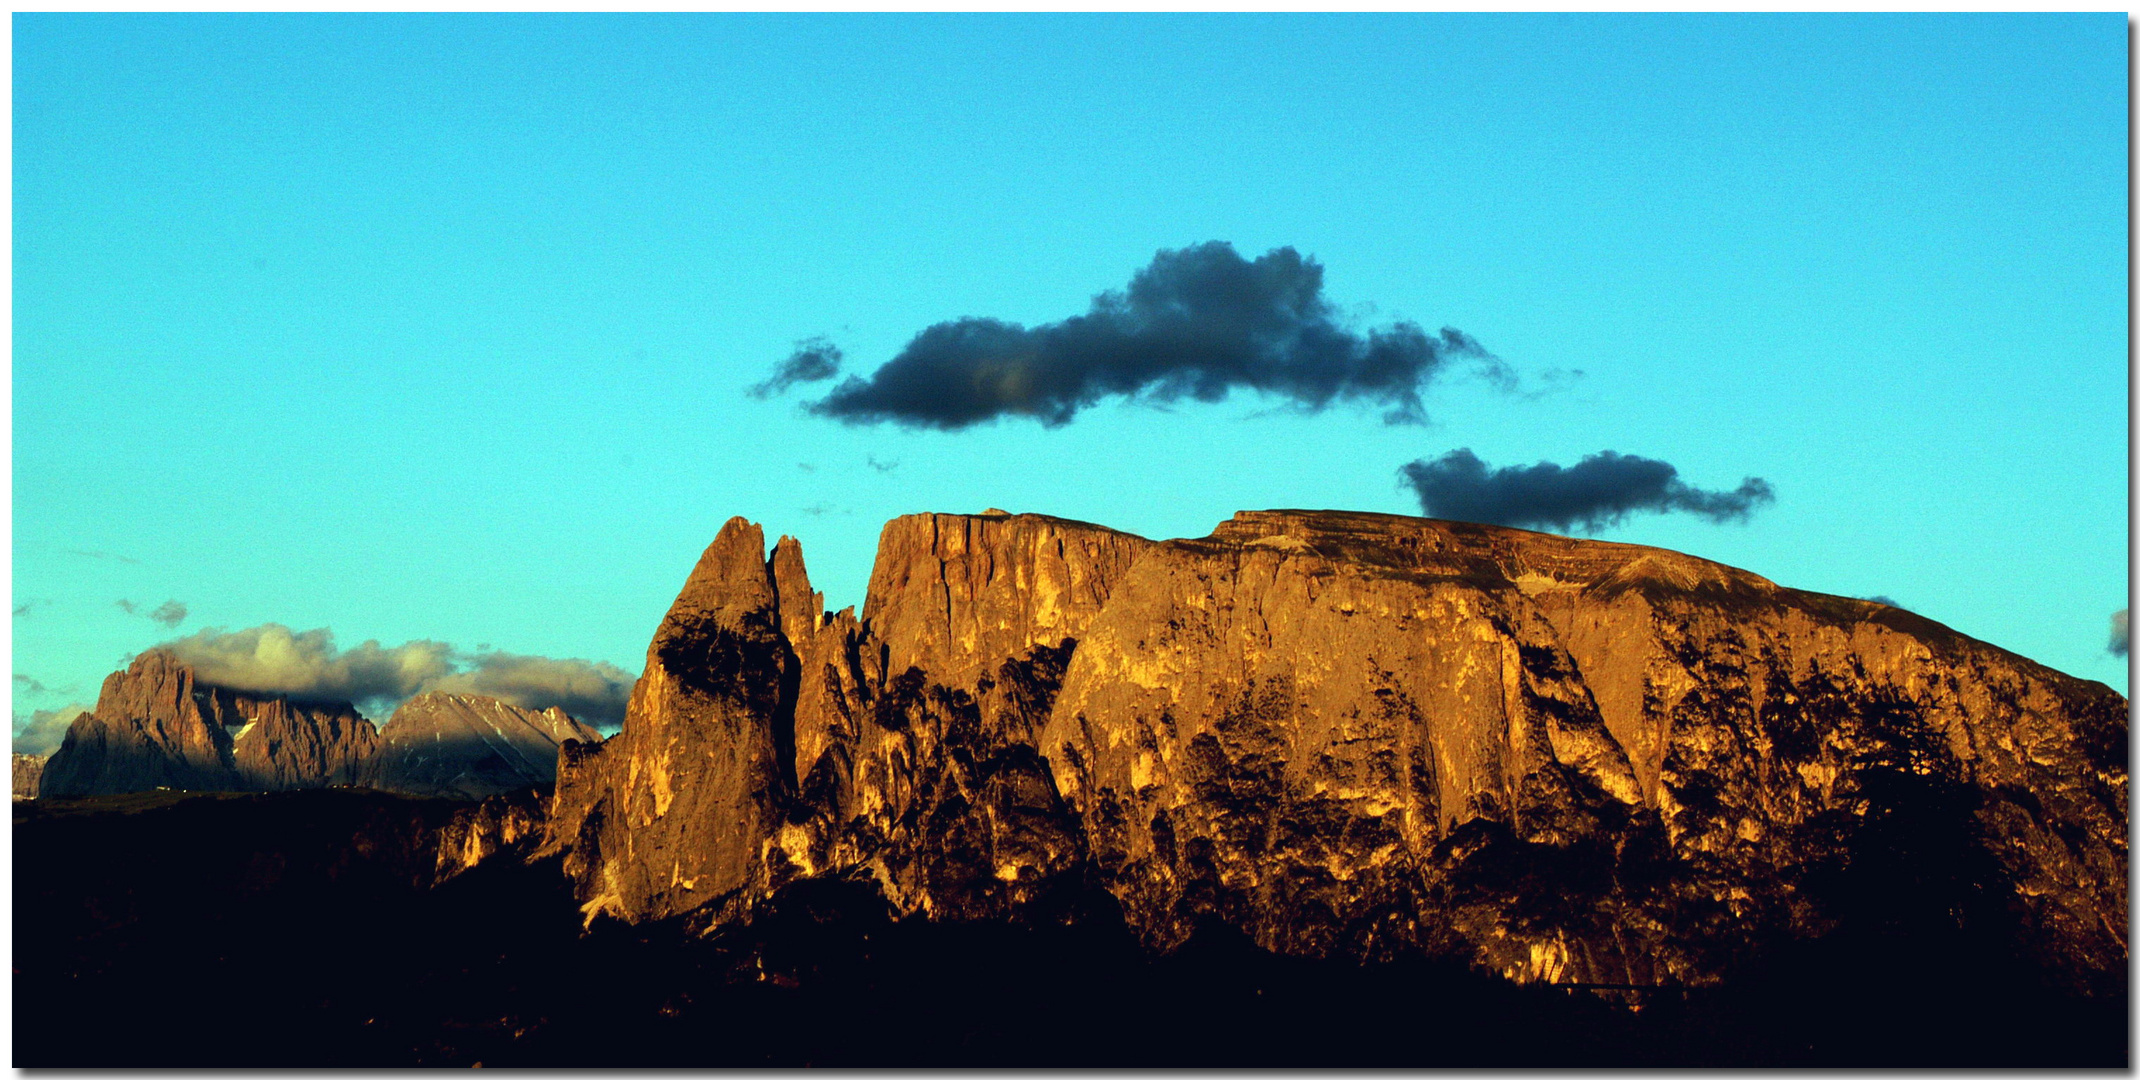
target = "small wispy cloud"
x: 167, y: 614
x: 882, y: 466
x: 106, y: 555
x: 814, y: 360
x: 28, y: 683
x: 2121, y: 632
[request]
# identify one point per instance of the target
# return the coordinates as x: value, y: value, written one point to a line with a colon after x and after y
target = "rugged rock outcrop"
x: 156, y: 726
x: 511, y: 824
x: 916, y: 725
x: 898, y: 746
x: 466, y: 746
x: 28, y: 769
x: 1353, y: 735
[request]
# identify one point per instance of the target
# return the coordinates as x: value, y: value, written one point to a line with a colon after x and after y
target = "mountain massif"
x: 1340, y: 735
x: 1317, y: 789
x: 1351, y: 736
x: 156, y: 725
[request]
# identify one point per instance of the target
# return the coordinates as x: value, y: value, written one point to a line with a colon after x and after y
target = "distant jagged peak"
x: 471, y: 746
x: 438, y: 711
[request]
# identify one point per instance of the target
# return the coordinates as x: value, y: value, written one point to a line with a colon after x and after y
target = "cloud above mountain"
x: 272, y: 658
x: 42, y: 731
x: 1196, y: 323
x: 2121, y: 632
x: 1596, y: 493
x: 592, y: 691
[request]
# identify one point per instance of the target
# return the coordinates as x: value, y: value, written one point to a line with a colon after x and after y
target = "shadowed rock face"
x: 1354, y: 735
x: 154, y: 726
x: 465, y: 746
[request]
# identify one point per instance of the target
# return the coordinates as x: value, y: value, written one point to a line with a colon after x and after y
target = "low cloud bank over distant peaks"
x: 45, y: 729
x: 272, y: 658
x: 1196, y: 323
x: 1595, y: 493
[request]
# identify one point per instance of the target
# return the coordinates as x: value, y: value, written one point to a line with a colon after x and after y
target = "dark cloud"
x: 814, y: 360
x: 1595, y: 493
x: 127, y: 606
x: 1196, y: 323
x: 272, y: 658
x: 2121, y: 632
x: 42, y: 731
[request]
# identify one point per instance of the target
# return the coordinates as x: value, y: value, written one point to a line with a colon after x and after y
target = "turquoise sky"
x: 439, y: 327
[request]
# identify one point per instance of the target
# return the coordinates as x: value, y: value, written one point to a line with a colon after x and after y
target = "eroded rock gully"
x: 1351, y: 735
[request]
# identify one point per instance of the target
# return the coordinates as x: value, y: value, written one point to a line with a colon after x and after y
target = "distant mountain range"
x: 156, y: 725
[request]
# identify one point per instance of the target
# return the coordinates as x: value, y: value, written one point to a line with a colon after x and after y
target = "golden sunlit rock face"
x: 1352, y: 735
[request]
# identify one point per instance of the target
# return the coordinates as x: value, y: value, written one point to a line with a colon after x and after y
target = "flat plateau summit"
x: 1353, y: 736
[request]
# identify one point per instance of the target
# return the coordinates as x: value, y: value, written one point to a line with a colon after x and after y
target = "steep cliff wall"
x: 1572, y: 760
x: 1353, y: 735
